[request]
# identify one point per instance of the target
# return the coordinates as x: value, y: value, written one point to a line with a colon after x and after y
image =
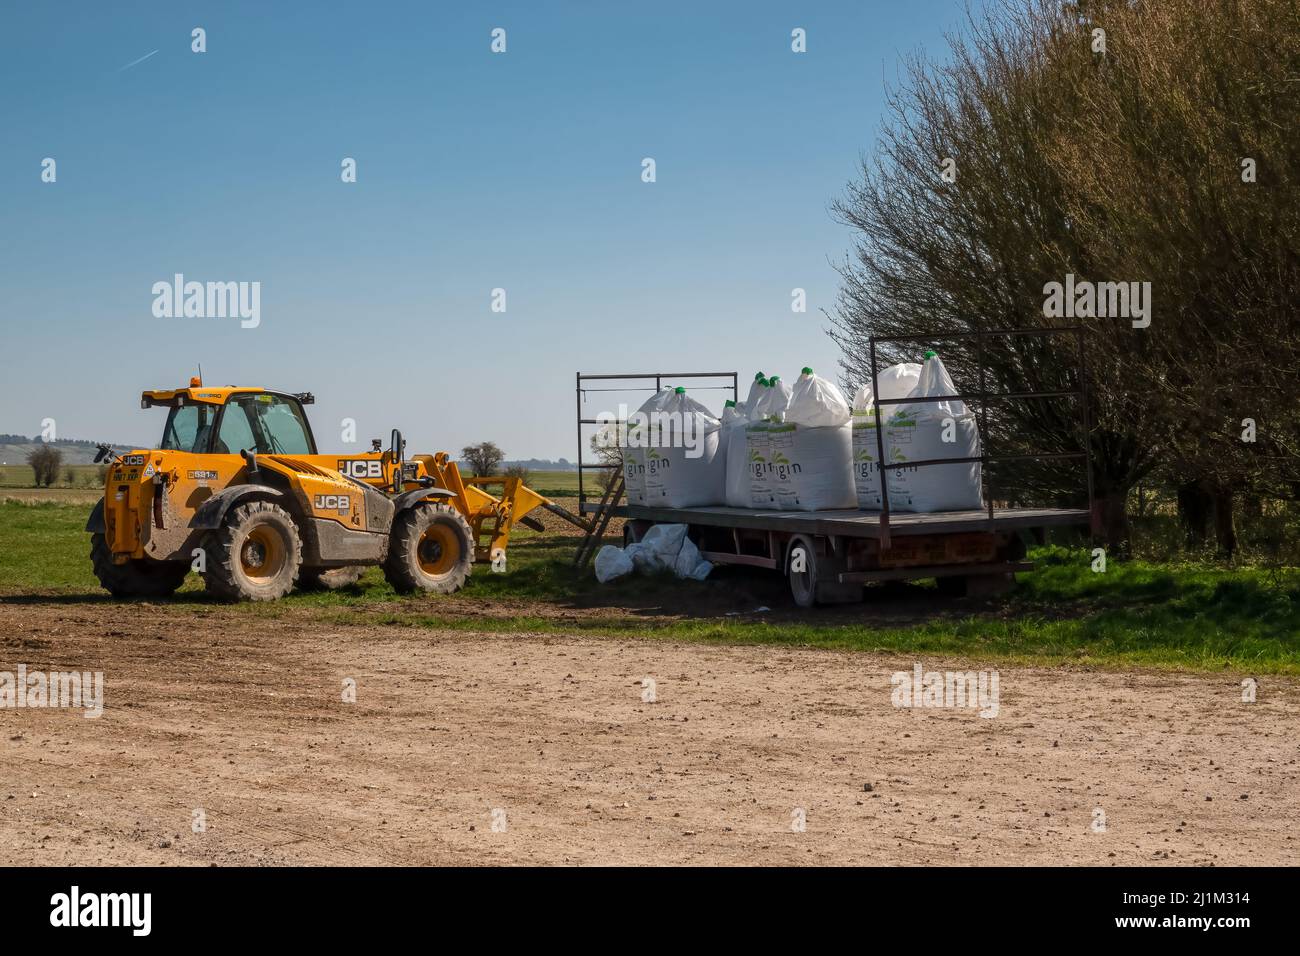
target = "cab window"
x: 263, y: 423
x: 188, y: 428
x: 236, y: 434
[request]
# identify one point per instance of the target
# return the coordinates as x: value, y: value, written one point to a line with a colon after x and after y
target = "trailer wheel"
x: 801, y: 567
x: 431, y: 549
x: 814, y: 578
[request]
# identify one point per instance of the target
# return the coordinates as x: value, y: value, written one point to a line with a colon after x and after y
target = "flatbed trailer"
x: 830, y: 555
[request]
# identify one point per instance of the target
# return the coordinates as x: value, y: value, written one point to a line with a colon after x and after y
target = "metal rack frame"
x: 982, y: 398
x: 658, y: 378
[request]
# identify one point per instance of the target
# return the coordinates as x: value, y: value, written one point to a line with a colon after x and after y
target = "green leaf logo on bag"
x: 864, y: 418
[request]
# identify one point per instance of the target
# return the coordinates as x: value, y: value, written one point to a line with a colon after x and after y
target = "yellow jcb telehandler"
x: 237, y: 491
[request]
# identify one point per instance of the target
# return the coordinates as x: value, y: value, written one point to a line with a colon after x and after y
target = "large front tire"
x: 138, y: 577
x: 431, y: 549
x: 255, y: 555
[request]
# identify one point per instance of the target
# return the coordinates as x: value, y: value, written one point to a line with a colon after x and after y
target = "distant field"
x: 20, y: 476
x: 558, y: 484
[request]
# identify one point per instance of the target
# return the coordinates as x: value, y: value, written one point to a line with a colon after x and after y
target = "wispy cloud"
x: 134, y: 62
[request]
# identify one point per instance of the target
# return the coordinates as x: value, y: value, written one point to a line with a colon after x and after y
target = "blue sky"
x: 475, y: 171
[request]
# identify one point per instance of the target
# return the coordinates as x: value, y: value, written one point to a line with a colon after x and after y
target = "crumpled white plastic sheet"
x: 665, y: 547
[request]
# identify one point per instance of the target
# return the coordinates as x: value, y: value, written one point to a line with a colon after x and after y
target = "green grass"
x: 1183, y: 616
x: 1177, y: 618
x: 43, y: 546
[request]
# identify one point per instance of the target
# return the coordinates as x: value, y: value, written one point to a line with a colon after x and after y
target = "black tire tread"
x: 400, y: 567
x: 221, y: 578
x: 139, y: 577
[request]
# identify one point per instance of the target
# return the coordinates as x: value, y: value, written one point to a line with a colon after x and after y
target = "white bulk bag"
x: 612, y: 562
x: 736, y: 467
x: 800, y: 384
x: 665, y: 547
x: 917, y: 432
x: 812, y: 449
x: 690, y: 563
x: 681, y: 466
x: 774, y: 399
x: 817, y: 402
x: 897, y: 381
x: 636, y: 438
x: 658, y: 548
x: 770, y: 407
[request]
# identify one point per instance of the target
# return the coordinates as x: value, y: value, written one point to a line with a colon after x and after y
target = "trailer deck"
x: 859, y: 524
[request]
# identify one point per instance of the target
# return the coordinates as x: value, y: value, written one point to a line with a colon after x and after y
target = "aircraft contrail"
x: 134, y: 62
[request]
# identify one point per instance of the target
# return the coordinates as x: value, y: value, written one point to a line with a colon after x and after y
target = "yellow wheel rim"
x: 438, y: 550
x: 262, y: 554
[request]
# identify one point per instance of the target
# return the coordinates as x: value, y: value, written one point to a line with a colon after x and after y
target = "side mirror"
x: 396, y: 448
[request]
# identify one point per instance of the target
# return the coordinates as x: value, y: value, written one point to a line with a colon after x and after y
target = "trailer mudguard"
x: 208, y: 516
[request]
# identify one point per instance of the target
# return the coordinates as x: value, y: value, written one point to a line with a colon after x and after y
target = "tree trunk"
x: 1109, y: 515
x: 1224, y: 530
x: 1194, y: 511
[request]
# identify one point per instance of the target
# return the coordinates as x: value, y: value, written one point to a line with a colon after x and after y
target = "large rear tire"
x: 329, y: 579
x: 255, y: 554
x: 431, y: 549
x: 138, y: 577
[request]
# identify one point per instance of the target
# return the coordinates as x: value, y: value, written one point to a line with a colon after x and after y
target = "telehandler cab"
x: 237, y: 490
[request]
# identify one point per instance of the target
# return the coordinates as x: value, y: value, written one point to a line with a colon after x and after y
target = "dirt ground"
x: 241, y: 717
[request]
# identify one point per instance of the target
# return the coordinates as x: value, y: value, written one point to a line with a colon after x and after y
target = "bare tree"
x: 45, y: 461
x: 483, y: 459
x: 1035, y: 152
x: 1183, y: 164
x: 607, y: 448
